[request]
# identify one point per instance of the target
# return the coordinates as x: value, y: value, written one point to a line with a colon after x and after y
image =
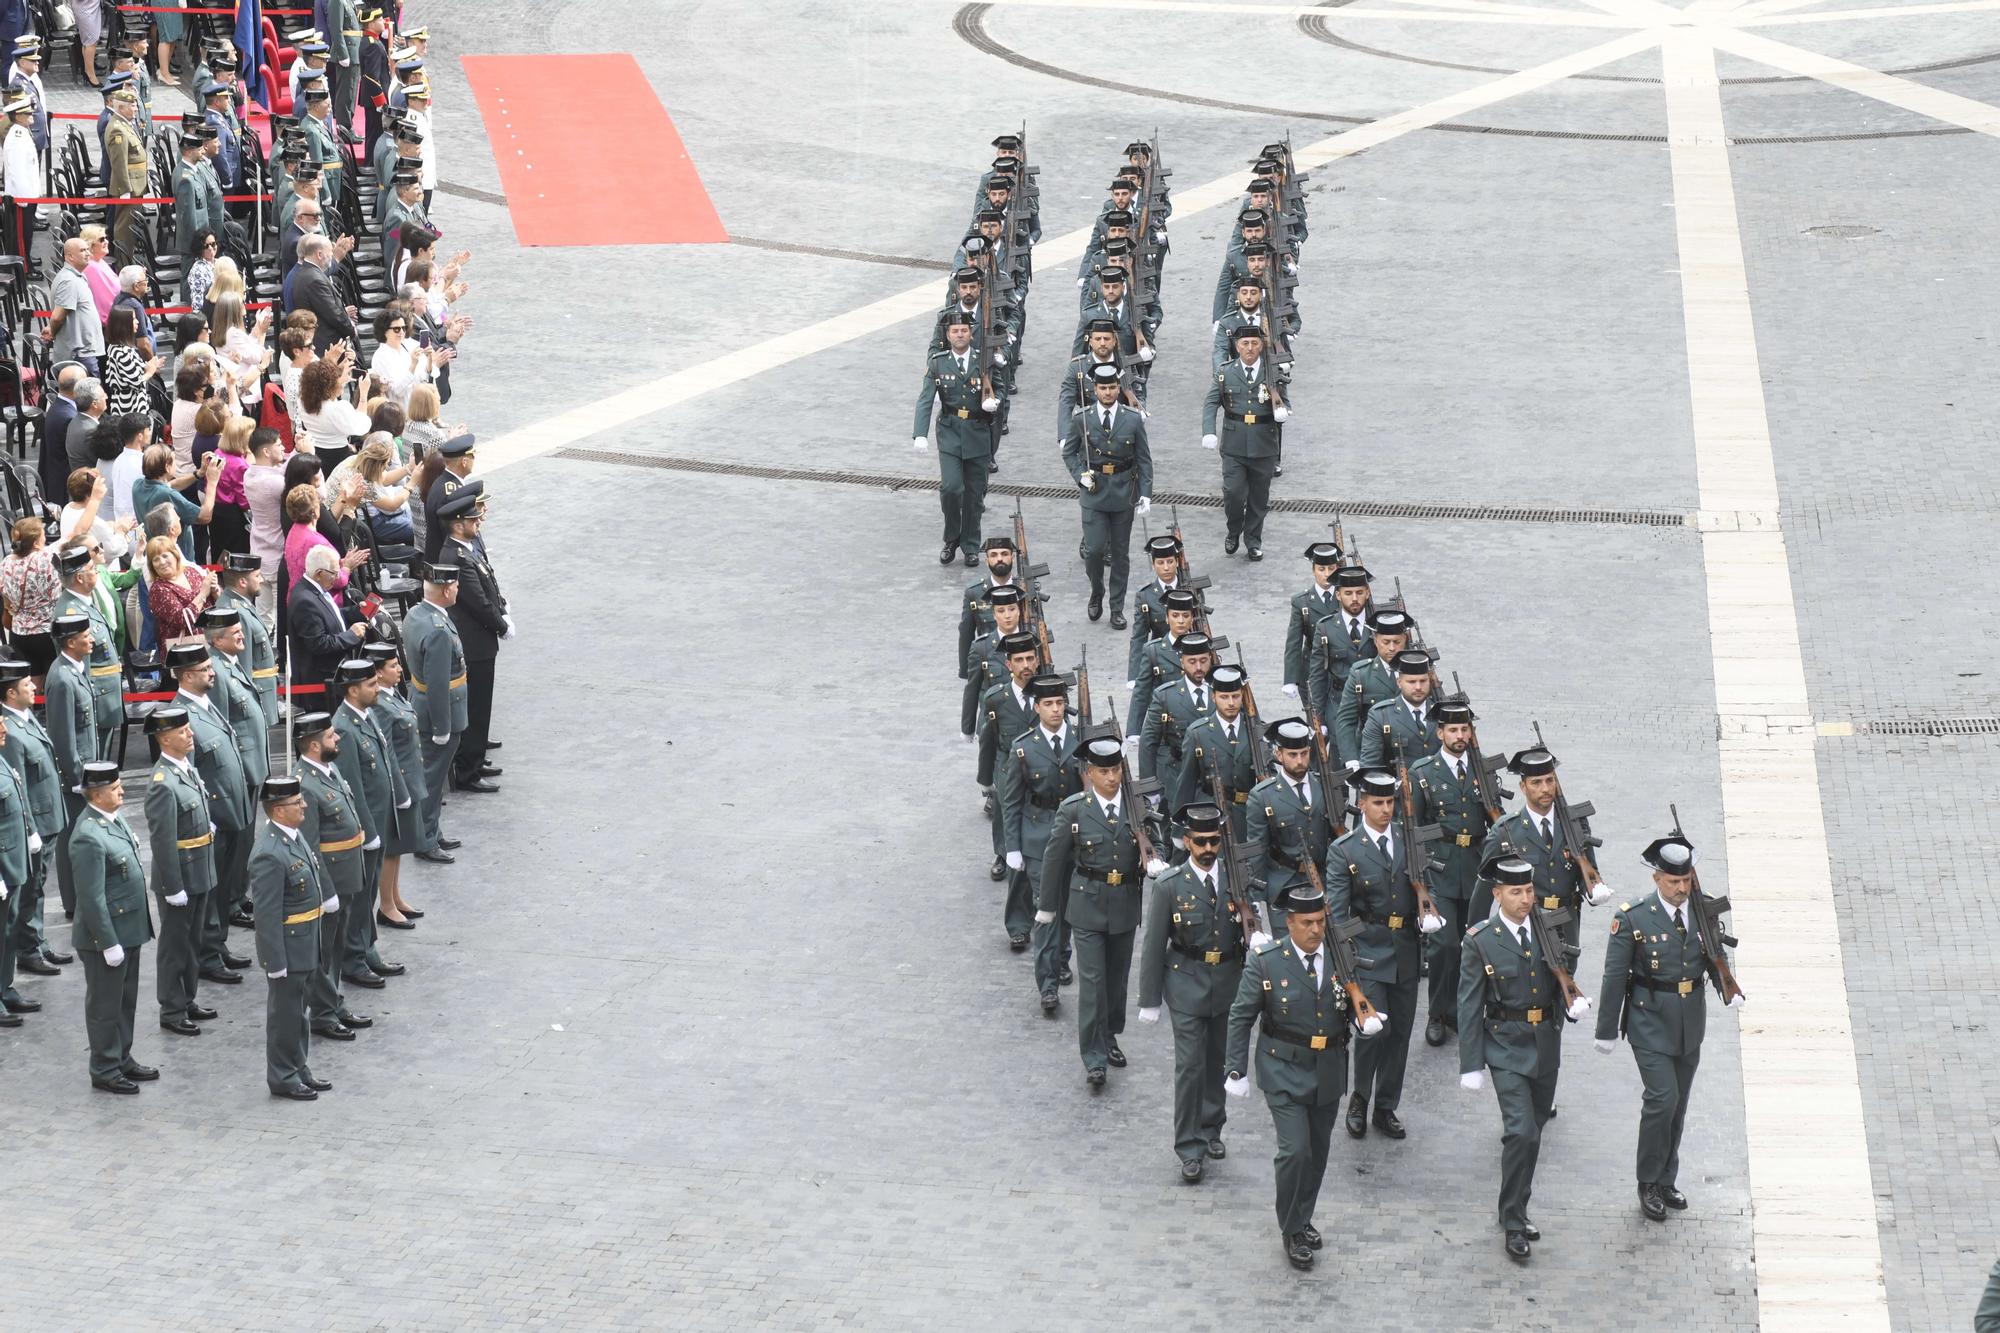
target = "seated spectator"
x: 385, y: 495
x: 178, y: 592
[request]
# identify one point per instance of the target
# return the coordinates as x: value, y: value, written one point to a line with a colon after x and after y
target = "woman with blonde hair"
x: 228, y: 282
x: 103, y: 278
x: 178, y: 592
x: 229, y: 525
x: 242, y: 353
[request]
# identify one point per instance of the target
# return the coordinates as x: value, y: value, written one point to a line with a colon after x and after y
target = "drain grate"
x: 1644, y: 518
x: 1929, y: 726
x: 1843, y: 231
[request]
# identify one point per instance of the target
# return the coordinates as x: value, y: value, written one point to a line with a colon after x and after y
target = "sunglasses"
x: 1198, y: 840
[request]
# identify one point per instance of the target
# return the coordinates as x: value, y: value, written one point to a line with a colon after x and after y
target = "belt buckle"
x: 964, y: 413
x: 1240, y: 797
x: 1534, y: 1015
x: 1687, y: 988
x: 1551, y: 904
x: 1212, y: 956
x: 1464, y: 839
x: 1116, y: 877
x: 1319, y: 1043
x: 1396, y: 922
x: 1249, y: 418
x: 1107, y: 468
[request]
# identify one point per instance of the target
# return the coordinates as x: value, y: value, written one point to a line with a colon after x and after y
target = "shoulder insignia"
x: 1624, y: 907
x: 1021, y: 754
x: 159, y: 775
x: 1614, y: 923
x: 1476, y: 927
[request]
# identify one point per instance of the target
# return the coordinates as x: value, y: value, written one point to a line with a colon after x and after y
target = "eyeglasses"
x: 1196, y: 840
x: 208, y: 245
x: 398, y: 328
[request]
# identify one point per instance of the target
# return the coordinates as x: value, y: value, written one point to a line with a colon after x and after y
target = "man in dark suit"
x: 320, y: 633
x: 55, y: 465
x: 80, y: 436
x: 312, y: 289
x: 480, y: 615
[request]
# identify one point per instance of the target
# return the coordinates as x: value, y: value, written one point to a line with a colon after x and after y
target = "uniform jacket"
x: 1234, y: 318
x: 1158, y: 665
x: 1033, y: 781
x: 1362, y: 883
x: 1193, y: 947
x: 1132, y: 321
x: 985, y: 668
x: 124, y: 158
x: 965, y: 429
x: 1207, y: 752
x: 1454, y: 805
x: 16, y: 823
x: 1368, y: 683
x: 179, y: 827
x: 371, y: 770
x: 1163, y: 737
x: 333, y: 826
x: 237, y: 698
x: 1390, y: 722
x: 107, y: 677
x: 1120, y: 457
x: 1006, y: 327
x: 286, y: 881
x: 1245, y: 400
x: 975, y: 617
x: 1086, y: 854
x: 1291, y: 834
x: 1000, y: 716
x: 110, y: 878
x: 31, y: 754
x: 219, y: 760
x: 1495, y: 970
x: 1292, y: 1017
x: 1075, y: 391
x: 480, y: 611
x: 1303, y: 628
x: 1653, y: 990
x: 1558, y: 878
x: 259, y: 657
x: 1149, y: 622
x: 71, y: 721
x: 437, y: 670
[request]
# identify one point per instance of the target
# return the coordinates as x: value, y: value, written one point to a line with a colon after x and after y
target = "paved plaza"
x: 1653, y: 350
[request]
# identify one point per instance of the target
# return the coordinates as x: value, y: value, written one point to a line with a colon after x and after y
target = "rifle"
x: 1485, y: 772
x: 1336, y: 806
x: 1185, y: 579
x: 1708, y: 924
x: 1139, y: 790
x: 1417, y: 639
x: 1339, y: 537
x: 1236, y: 855
x: 1544, y: 922
x: 1340, y: 937
x: 1032, y: 618
x: 1083, y: 690
x: 1415, y: 838
x: 1260, y: 747
x: 1575, y: 839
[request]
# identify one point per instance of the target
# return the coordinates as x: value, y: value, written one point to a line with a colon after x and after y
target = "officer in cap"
x: 183, y: 846
x: 1315, y: 604
x: 1248, y: 397
x: 242, y: 584
x: 1078, y: 392
x: 1303, y: 1017
x: 368, y: 764
x: 1534, y: 834
x: 458, y: 454
x: 1041, y: 771
x: 332, y: 826
x: 1115, y: 303
x: 1093, y: 855
x: 1450, y: 795
x: 975, y: 612
x: 1193, y: 958
x: 1368, y: 880
x: 1246, y: 311
x: 966, y: 397
x: 408, y: 139
x: 26, y: 74
x: 438, y: 680
x: 78, y: 569
x: 21, y: 163
x: 480, y: 613
x: 1174, y: 709
x: 1149, y: 607
x: 17, y: 865
x: 193, y: 219
x: 1293, y: 817
x: 1370, y: 680
x: 1510, y: 1021
x: 111, y: 927
x: 72, y: 728
x: 219, y: 106
x: 1341, y: 638
x: 1006, y: 709
x: 218, y: 760
x: 1217, y: 750
x: 988, y: 662
x: 1110, y: 462
x: 1402, y: 729
x: 31, y: 757
x: 967, y: 293
x: 1160, y: 660
x: 288, y: 887
x: 126, y: 167
x: 1653, y: 996
x: 397, y: 717
x: 404, y: 215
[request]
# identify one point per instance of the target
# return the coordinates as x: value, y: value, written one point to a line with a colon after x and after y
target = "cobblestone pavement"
x: 714, y: 1024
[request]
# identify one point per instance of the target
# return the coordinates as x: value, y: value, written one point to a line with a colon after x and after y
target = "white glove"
x: 1146, y: 354
x: 510, y: 626
x: 1600, y: 894
x: 114, y: 956
x: 1737, y: 1002
x: 1156, y: 867
x: 1215, y: 326
x: 1159, y: 238
x: 1353, y: 764
x: 403, y: 804
x: 211, y: 828
x: 1081, y: 281
x: 372, y: 843
x: 1150, y: 1015
x: 1291, y: 690
x: 985, y: 791
x: 1015, y: 862
x: 1131, y: 684
x: 1236, y: 1087
x: 1145, y: 505
x: 441, y: 738
x: 999, y: 358
x: 920, y: 442
x: 35, y: 839
x: 280, y: 974
x: 177, y: 899
x: 1474, y: 1081
x: 972, y: 736
x: 1291, y: 267
x: 1431, y: 923
x: 1045, y: 918
x: 1208, y: 441
x: 1258, y: 939
x: 1088, y: 481
x: 989, y: 404
x: 1281, y: 413
x: 1371, y: 1025
x: 331, y: 904
x: 1580, y: 1008
x: 3, y: 893
x: 1605, y: 1045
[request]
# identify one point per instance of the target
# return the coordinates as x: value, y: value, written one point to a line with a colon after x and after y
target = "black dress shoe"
x: 490, y: 770
x: 394, y: 924
x: 139, y: 1073
x: 11, y: 1020
x: 970, y: 560
x: 18, y: 1005
x: 295, y: 1092
x: 1434, y: 1032
x: 119, y: 1084
x: 1049, y: 1003
x: 411, y: 912
x: 493, y: 745
x: 998, y: 870
x: 353, y: 1022
x: 1552, y: 1113
x: 1118, y: 620
x: 1298, y: 1254
x: 1254, y: 553
x: 1357, y: 1117
x: 388, y: 969
x: 35, y: 963
x: 1096, y: 608
x: 1229, y: 545
x: 333, y: 1031
x: 948, y: 554
x: 241, y: 917
x: 444, y: 845
x: 993, y: 464
x: 317, y: 1084
x: 234, y: 962
x: 1115, y: 1056
x: 200, y: 1013
x: 1387, y: 1122
x: 1191, y: 1171
x: 1095, y: 1078
x: 1218, y: 1149
x: 1652, y: 1204
x: 438, y: 858
x: 222, y: 976
x: 474, y: 784
x: 1517, y: 1246
x: 1310, y: 1234
x: 1065, y: 976
x: 1530, y: 1230
x: 57, y: 956
x: 180, y: 1027
x: 1017, y: 943
x: 1674, y: 1198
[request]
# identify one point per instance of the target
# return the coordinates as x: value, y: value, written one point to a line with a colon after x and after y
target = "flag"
x: 250, y: 48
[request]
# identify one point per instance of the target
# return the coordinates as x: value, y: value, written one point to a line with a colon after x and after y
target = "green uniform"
x: 1369, y: 682
x: 1302, y: 628
x: 1510, y: 1019
x: 17, y: 864
x: 107, y: 678
x: 1304, y: 1021
x: 1235, y: 318
x: 334, y: 187
x: 1074, y: 397
x: 1173, y: 710
x: 1133, y: 323
x: 1245, y: 397
x: 1193, y: 958
x: 32, y: 757
x: 237, y: 696
x: 369, y: 765
x: 1448, y: 795
x: 218, y: 757
x: 1159, y: 665
x: 1214, y: 750
x: 1004, y: 711
x: 1109, y: 446
x: 954, y: 387
x: 1095, y: 858
x: 287, y: 886
x: 986, y: 666
x: 975, y: 617
x: 1390, y: 724
x: 110, y: 882
x: 437, y: 683
x: 399, y: 724
x: 1653, y: 996
x: 125, y: 166
x: 191, y: 215
x: 1340, y: 643
x: 1558, y: 877
x: 258, y: 657
x: 333, y: 826
x: 1149, y: 624
x: 1036, y: 777
x: 183, y: 847
x: 1372, y: 886
x: 1294, y: 831
x: 73, y: 733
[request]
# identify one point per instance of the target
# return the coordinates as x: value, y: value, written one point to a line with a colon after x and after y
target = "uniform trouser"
x: 110, y: 1001
x: 344, y: 82
x: 1379, y: 1060
x: 1051, y: 939
x: 126, y: 223
x: 1525, y: 1103
x: 287, y: 1036
x: 323, y: 988
x: 1669, y: 1081
x: 26, y: 930
x: 107, y: 733
x: 232, y: 869
x: 357, y: 932
x: 1442, y: 949
x: 1103, y: 966
x: 471, y: 756
x: 962, y: 493
x: 1107, y: 534
x: 1246, y: 496
x: 1200, y: 1043
x: 1018, y: 915
x: 9, y: 947
x: 1304, y: 1130
x: 177, y: 969
x: 437, y: 763
x: 996, y: 818
x: 65, y: 888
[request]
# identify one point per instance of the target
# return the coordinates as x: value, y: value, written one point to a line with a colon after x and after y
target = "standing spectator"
x: 295, y: 350
x: 264, y: 491
x: 29, y: 586
x: 74, y: 330
x: 80, y: 449
x: 398, y: 361
x: 312, y: 289
x: 103, y: 278
x: 331, y: 421
x: 303, y: 512
x: 242, y: 353
x: 133, y: 285
x: 424, y: 430
x: 56, y: 416
x: 321, y: 631
x: 83, y: 517
x: 127, y: 468
x: 208, y: 423
x: 178, y: 592
x: 229, y: 525
x: 385, y: 495
x: 201, y: 271
x: 162, y: 484
x: 127, y: 364
x: 192, y: 388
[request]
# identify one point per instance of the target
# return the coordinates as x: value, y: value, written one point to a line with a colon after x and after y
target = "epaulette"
x: 1478, y: 926
x: 1269, y: 945
x: 1624, y: 907
x: 159, y: 775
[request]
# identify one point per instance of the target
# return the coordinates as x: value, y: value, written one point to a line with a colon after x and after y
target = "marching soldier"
x: 1369, y: 681
x: 183, y: 846
x: 1149, y: 606
x: 1452, y: 796
x: 1250, y: 237
x: 1653, y: 997
x: 1293, y: 815
x: 16, y: 865
x: 1192, y: 912
x: 1135, y: 327
x: 968, y: 283
x: 1160, y: 660
x: 987, y: 661
x: 366, y: 761
x: 31, y: 756
x: 1041, y: 772
x: 1402, y: 725
x: 1248, y: 309
x: 72, y: 730
x: 1248, y: 397
x: 1340, y: 639
x: 218, y: 759
x: 975, y: 614
x: 1078, y: 391
x: 437, y: 675
x: 287, y: 888
x: 1508, y: 1007
x: 242, y: 584
x: 1217, y: 750
x: 1304, y: 1019
x: 125, y: 166
x: 1109, y: 460
x: 79, y: 571
x: 1005, y: 712
x: 1533, y: 834
x: 966, y: 404
x: 1115, y: 253
x: 1368, y: 879
x: 1093, y: 854
x: 333, y: 825
x: 111, y: 927
x: 1310, y: 607
x: 1174, y: 708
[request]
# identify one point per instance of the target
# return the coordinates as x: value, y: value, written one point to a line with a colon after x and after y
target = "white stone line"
x: 1542, y: 12
x: 1531, y: 15
x: 1743, y: 11
x: 1759, y: 19
x: 1925, y: 101
x: 1647, y: 12
x: 1818, y: 1255
x: 671, y: 390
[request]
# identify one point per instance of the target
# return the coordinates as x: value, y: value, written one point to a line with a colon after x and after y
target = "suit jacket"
x: 480, y: 611
x: 313, y: 289
x: 55, y: 463
x: 319, y: 638
x: 1495, y: 969
x: 1276, y: 992
x: 288, y: 249
x: 79, y: 446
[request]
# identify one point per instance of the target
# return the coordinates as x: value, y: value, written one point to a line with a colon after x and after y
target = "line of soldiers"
x: 1305, y: 875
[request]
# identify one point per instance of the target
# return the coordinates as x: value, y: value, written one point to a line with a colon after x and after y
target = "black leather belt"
x: 1043, y: 803
x: 1209, y: 956
x: 1108, y: 876
x: 1506, y: 1015
x: 1664, y: 986
x: 1396, y: 921
x: 1304, y: 1043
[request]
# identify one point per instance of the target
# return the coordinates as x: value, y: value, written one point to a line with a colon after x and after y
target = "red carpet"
x: 587, y: 154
